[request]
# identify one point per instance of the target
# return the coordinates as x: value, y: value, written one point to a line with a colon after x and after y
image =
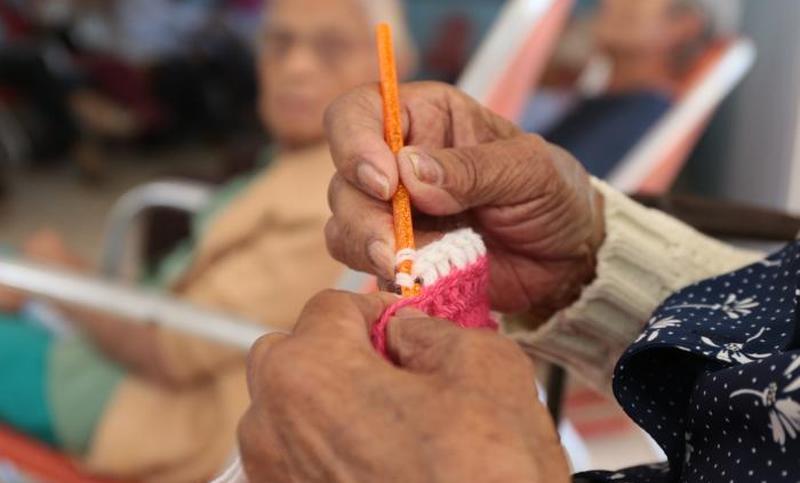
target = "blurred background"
x: 98, y: 97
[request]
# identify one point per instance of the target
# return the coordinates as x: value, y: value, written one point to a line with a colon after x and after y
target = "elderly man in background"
x: 148, y: 404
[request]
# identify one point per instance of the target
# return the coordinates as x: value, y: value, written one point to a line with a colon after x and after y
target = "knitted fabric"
x: 454, y: 273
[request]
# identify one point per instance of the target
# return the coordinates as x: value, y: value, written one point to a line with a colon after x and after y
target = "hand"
x: 531, y: 201
x: 11, y: 301
x: 48, y: 247
x: 461, y: 407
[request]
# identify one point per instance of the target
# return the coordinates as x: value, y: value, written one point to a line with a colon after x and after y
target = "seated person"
x: 650, y: 46
x: 150, y: 404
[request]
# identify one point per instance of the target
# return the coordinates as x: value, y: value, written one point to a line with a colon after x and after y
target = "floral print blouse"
x: 715, y: 379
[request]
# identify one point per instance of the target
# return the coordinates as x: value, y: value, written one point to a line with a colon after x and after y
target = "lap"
x: 24, y: 351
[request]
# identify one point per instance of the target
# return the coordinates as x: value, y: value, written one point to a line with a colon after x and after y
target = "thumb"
x: 415, y: 340
x: 449, y: 181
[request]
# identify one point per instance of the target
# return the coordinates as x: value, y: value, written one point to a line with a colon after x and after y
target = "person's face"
x: 312, y: 51
x: 640, y: 27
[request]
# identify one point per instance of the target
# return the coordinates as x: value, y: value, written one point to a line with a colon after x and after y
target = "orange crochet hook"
x: 393, y: 132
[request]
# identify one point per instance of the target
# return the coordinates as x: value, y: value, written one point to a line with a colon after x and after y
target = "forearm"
x: 646, y: 256
x: 133, y: 346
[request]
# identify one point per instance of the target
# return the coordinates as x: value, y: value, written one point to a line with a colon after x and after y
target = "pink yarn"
x: 461, y: 297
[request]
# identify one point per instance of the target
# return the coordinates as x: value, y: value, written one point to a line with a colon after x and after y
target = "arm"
x: 543, y: 220
x: 131, y: 345
x: 645, y: 257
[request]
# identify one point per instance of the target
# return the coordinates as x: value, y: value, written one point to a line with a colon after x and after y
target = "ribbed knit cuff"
x: 646, y: 256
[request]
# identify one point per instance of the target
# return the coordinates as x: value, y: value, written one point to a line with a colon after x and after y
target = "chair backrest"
x: 653, y: 165
x: 514, y: 54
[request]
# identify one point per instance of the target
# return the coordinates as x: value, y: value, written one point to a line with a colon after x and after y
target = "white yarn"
x: 405, y: 255
x: 405, y: 280
x: 456, y: 250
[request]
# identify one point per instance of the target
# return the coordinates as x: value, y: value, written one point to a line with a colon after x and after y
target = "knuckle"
x: 533, y: 140
x: 323, y: 302
x: 529, y: 149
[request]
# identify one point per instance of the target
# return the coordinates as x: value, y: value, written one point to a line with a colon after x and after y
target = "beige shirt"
x: 263, y: 257
x: 646, y: 256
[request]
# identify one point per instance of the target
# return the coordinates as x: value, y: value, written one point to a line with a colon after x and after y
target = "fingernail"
x: 410, y: 313
x: 426, y: 169
x: 381, y: 257
x: 373, y: 181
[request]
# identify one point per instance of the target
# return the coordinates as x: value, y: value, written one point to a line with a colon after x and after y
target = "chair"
x: 31, y: 461
x: 656, y: 161
x: 653, y: 165
x: 514, y: 54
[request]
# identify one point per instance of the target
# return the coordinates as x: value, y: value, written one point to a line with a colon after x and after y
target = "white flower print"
x: 733, y: 351
x: 732, y: 307
x: 784, y: 414
x: 689, y: 448
x: 770, y: 263
x: 655, y: 326
x: 794, y: 385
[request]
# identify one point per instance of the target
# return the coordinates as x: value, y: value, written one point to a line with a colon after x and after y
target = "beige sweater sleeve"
x: 647, y: 255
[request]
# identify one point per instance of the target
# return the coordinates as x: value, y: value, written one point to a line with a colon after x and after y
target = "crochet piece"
x: 454, y: 273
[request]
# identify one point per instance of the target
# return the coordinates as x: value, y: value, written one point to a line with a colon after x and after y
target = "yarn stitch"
x: 454, y: 274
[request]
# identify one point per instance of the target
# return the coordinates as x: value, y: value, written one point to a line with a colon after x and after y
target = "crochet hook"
x: 393, y: 132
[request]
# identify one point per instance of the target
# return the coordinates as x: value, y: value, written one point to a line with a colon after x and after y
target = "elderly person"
x: 650, y: 48
x: 148, y: 404
x: 714, y: 376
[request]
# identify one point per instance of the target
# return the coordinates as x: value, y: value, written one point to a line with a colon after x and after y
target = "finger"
x: 354, y: 126
x: 342, y: 317
x: 423, y: 344
x: 257, y: 356
x: 360, y: 234
x: 415, y: 341
x: 450, y: 181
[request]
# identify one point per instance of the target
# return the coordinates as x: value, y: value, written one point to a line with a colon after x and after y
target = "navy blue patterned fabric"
x: 715, y: 379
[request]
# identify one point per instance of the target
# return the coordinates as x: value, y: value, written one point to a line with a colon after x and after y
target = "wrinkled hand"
x: 532, y: 202
x: 461, y: 406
